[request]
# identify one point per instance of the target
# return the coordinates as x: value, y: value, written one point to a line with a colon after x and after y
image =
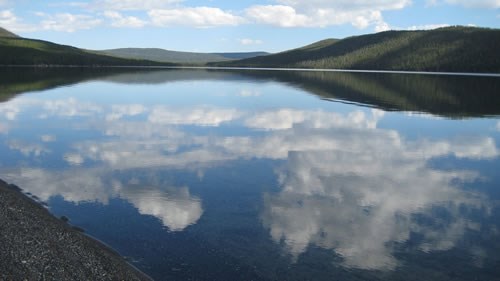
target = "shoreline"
x: 244, y: 68
x: 38, y: 246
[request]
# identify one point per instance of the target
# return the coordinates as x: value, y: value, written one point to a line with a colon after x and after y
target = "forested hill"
x: 162, y: 55
x: 15, y: 50
x: 453, y: 49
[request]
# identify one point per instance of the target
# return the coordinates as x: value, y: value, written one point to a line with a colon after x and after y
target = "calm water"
x: 212, y: 175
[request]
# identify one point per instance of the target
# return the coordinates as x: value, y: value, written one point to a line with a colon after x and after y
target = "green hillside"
x: 454, y: 49
x: 15, y: 50
x: 162, y: 55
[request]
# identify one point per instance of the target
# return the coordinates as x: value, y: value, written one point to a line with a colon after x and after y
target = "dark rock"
x: 35, y: 245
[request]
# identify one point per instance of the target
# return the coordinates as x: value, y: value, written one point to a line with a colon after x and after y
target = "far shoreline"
x: 409, y: 72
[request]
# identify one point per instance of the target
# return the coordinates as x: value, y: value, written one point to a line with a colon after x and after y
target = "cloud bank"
x: 175, y: 13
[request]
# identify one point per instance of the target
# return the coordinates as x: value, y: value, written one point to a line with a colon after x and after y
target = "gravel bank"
x: 34, y: 245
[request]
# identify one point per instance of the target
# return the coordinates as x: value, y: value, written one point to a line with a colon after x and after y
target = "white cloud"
x: 284, y: 13
x: 70, y: 107
x: 201, y: 17
x: 10, y: 110
x: 139, y: 5
x: 204, y: 116
x: 487, y: 4
x: 119, y: 20
x: 123, y: 155
x: 118, y: 111
x: 340, y: 167
x: 140, y: 130
x: 74, y: 159
x: 48, y: 138
x: 476, y: 3
x: 12, y: 23
x: 288, y: 118
x: 278, y: 15
x: 28, y: 149
x: 69, y: 4
x: 322, y: 13
x: 427, y: 26
x: 357, y: 192
x: 175, y: 207
x: 72, y: 185
x: 248, y: 41
x: 498, y: 126
x: 382, y: 26
x: 249, y: 93
x: 484, y: 148
x: 67, y: 22
x: 356, y: 214
x: 347, y: 4
x: 287, y: 130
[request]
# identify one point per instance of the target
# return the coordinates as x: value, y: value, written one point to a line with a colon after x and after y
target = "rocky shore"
x: 34, y: 245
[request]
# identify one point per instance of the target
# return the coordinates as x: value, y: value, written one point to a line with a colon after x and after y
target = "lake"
x: 265, y: 175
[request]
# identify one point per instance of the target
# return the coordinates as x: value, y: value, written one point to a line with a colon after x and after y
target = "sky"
x: 231, y: 25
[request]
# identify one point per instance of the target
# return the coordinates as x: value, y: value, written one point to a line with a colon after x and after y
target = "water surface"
x: 257, y: 175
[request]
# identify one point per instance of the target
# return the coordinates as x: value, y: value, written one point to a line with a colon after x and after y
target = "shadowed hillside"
x: 453, y: 49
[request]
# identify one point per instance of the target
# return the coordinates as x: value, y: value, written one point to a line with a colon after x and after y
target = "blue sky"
x: 231, y: 25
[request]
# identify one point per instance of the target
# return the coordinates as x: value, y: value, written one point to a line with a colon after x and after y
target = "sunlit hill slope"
x: 454, y: 49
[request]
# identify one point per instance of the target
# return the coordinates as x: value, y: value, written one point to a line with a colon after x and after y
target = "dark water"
x: 255, y: 175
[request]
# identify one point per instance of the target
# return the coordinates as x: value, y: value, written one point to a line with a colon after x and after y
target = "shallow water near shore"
x: 265, y: 175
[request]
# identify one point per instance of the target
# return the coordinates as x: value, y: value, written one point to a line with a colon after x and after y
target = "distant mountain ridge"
x: 162, y: 55
x: 15, y: 50
x: 453, y: 49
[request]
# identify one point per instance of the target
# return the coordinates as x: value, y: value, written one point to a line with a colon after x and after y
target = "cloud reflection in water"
x: 174, y: 206
x: 347, y: 185
x: 359, y: 189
